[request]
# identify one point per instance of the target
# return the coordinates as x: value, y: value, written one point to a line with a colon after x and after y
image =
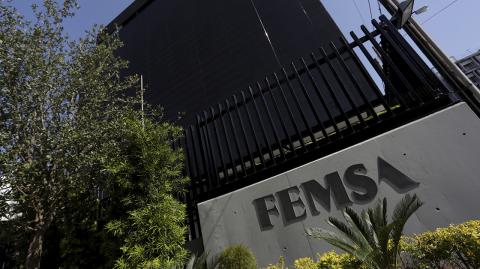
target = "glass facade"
x: 194, y: 53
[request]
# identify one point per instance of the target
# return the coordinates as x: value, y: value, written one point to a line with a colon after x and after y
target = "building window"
x: 469, y: 65
x: 475, y: 78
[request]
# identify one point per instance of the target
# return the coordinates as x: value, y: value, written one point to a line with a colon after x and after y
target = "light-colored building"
x: 470, y: 65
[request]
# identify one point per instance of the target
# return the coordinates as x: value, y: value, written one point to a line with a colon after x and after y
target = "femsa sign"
x: 436, y: 157
x: 363, y: 189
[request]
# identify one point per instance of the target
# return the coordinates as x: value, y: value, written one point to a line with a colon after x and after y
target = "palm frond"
x: 384, y: 211
x: 352, y: 234
x: 332, y: 238
x: 360, y: 226
x: 380, y: 214
x: 369, y: 236
x: 370, y: 218
x: 403, y: 211
x: 349, y: 231
x: 377, y: 216
x: 407, y: 206
x: 366, y: 215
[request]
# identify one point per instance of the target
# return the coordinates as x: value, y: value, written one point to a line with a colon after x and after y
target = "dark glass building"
x: 265, y: 103
x: 193, y: 53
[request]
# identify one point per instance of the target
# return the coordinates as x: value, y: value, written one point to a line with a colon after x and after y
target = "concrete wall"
x: 440, y: 152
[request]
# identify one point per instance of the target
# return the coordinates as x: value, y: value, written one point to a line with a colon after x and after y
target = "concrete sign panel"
x: 436, y: 157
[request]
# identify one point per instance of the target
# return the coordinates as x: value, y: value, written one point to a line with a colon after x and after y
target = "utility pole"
x: 141, y: 100
x: 445, y: 66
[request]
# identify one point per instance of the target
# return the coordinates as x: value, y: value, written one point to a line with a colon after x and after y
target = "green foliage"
x: 305, y: 263
x: 75, y: 157
x: 457, y: 246
x: 237, y: 257
x: 58, y: 103
x: 144, y: 173
x: 279, y: 265
x: 329, y: 260
x: 332, y: 260
x: 370, y: 237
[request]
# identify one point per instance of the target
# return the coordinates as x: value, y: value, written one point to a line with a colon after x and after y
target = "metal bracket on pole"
x: 442, y: 62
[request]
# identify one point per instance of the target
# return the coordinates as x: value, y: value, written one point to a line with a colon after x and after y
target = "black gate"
x: 313, y: 107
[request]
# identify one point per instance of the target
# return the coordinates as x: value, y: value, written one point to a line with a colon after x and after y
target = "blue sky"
x: 456, y: 29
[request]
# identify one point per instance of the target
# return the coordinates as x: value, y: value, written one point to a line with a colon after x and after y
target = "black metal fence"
x: 311, y: 108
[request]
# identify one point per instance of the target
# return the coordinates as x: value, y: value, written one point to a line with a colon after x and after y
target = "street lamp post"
x: 445, y: 66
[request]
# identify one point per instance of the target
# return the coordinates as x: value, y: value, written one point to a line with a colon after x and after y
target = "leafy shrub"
x: 329, y: 260
x: 279, y: 265
x: 332, y: 260
x: 457, y: 246
x: 237, y: 257
x: 305, y: 263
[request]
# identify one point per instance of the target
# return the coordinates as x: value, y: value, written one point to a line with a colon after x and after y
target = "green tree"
x: 75, y: 155
x: 369, y: 236
x: 145, y: 176
x: 60, y: 105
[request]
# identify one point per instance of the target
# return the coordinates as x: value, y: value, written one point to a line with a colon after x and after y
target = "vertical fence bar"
x: 210, y: 147
x: 354, y: 81
x: 204, y: 153
x: 194, y: 150
x: 262, y: 128
x: 332, y: 94
x: 390, y: 62
x: 343, y: 87
x: 188, y: 161
x: 235, y: 137
x: 380, y: 71
x: 190, y: 214
x: 290, y: 113
x: 434, y: 81
x: 245, y: 138
x: 365, y: 73
x: 299, y: 107
x: 249, y: 120
x: 309, y: 100
x: 427, y: 92
x: 270, y: 119
x: 227, y: 138
x: 191, y: 187
x: 322, y: 100
x: 282, y: 123
x: 219, y: 145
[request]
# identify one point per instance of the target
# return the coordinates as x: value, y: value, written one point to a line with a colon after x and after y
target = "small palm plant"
x: 369, y: 237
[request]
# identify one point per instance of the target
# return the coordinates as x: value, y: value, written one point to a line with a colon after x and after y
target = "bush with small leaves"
x: 237, y: 257
x: 279, y: 265
x: 305, y: 263
x: 333, y: 260
x: 456, y: 246
x: 329, y: 260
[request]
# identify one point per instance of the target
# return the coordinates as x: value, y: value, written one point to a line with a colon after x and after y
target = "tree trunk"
x: 35, y: 248
x: 35, y: 251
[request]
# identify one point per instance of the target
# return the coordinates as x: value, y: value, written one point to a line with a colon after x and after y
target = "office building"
x: 276, y: 143
x: 470, y: 65
x: 193, y: 54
